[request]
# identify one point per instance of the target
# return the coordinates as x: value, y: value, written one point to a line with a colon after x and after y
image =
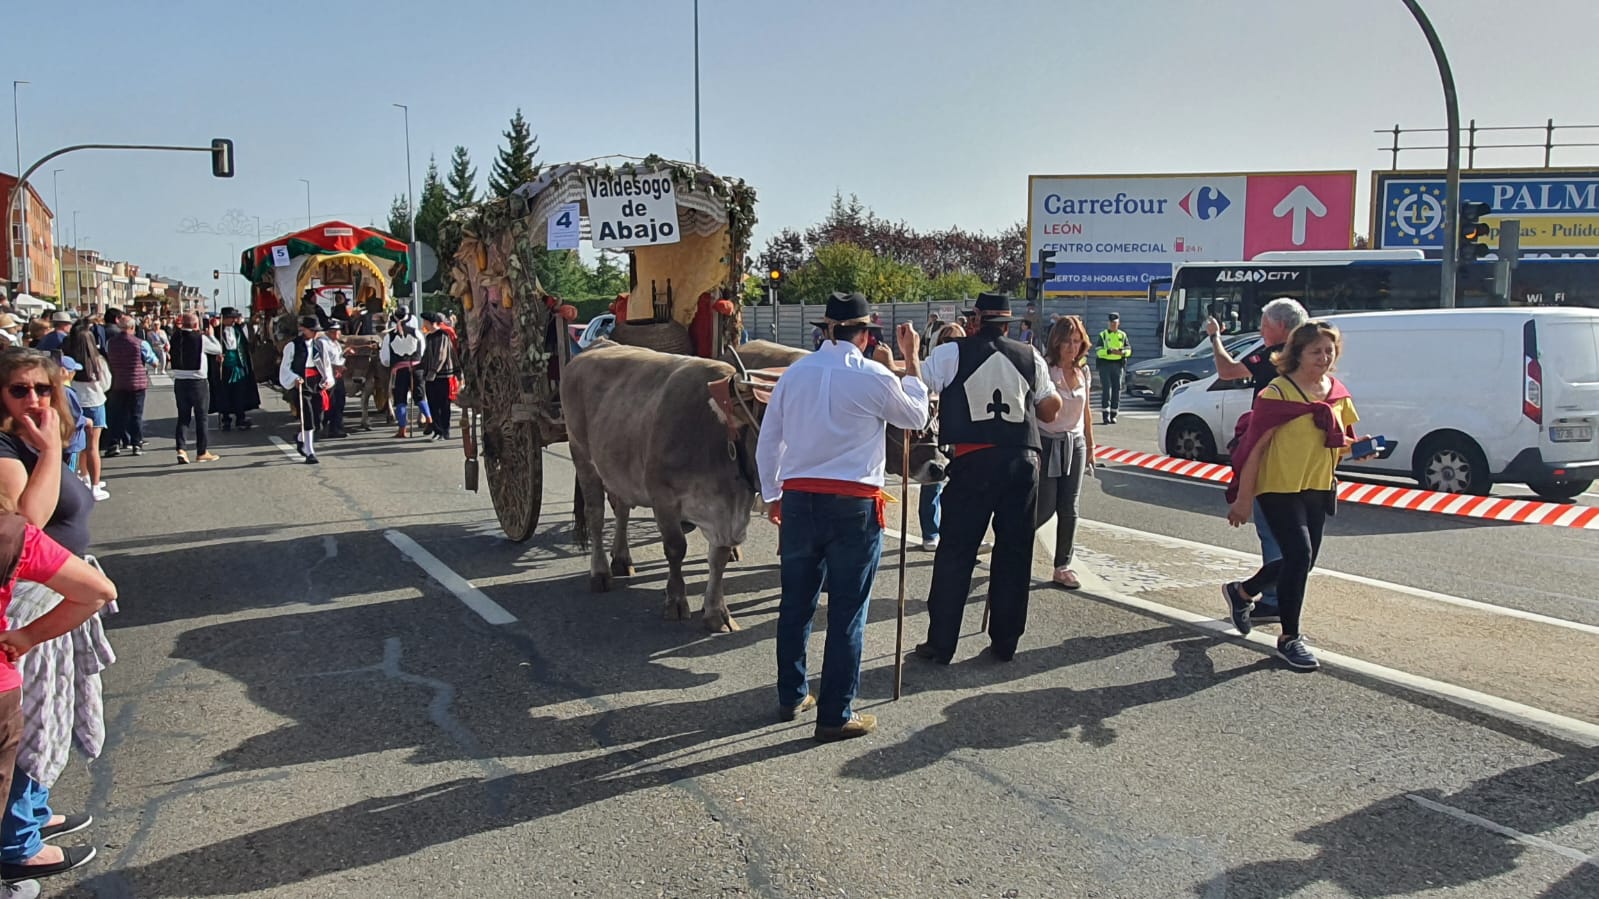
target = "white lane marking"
x: 287, y: 447
x: 1576, y: 855
x: 472, y: 597
x: 1418, y: 592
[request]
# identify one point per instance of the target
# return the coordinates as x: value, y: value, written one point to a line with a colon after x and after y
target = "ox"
x: 645, y: 431
x: 928, y: 462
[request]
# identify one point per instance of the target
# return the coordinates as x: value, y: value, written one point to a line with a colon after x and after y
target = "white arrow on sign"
x: 1299, y: 202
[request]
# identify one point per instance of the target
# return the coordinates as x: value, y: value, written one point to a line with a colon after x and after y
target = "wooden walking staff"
x: 904, y: 537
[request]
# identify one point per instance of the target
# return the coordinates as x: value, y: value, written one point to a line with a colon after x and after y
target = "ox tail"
x: 580, y: 514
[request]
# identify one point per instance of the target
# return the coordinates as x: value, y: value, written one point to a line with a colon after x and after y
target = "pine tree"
x: 515, y: 165
x: 463, y: 180
x: 432, y: 209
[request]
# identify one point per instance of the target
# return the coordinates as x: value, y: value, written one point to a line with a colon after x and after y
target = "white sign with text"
x: 636, y: 210
x: 566, y: 227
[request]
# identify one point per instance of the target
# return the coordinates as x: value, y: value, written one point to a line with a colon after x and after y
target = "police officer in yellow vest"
x: 1114, y: 348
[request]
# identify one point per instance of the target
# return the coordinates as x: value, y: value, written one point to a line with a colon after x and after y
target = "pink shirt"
x: 41, y: 558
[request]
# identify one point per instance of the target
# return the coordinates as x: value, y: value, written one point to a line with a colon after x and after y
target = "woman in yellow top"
x: 1300, y: 428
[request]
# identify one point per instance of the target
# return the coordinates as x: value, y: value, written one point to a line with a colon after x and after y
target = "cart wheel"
x: 514, y: 464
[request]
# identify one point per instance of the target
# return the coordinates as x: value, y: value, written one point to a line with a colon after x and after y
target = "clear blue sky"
x: 934, y: 112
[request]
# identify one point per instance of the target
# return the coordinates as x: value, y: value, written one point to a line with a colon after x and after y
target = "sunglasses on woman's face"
x: 21, y: 391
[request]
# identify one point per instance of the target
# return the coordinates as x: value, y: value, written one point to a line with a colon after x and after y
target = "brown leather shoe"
x: 403, y: 432
x: 857, y: 726
x: 207, y: 457
x: 790, y: 712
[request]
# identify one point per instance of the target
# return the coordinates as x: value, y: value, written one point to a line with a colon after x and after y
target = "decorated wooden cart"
x: 686, y: 231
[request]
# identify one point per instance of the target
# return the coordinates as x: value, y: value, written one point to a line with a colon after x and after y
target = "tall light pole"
x: 22, y: 194
x: 1447, y: 260
x: 696, y: 83
x: 55, y: 227
x: 410, y: 202
x: 307, y: 181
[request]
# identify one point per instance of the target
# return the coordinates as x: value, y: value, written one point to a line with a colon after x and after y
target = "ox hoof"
x: 718, y: 623
x: 621, y: 568
x: 599, y: 583
x: 733, y: 555
x: 675, y: 609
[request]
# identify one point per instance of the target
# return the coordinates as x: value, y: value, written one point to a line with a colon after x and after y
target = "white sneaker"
x: 100, y: 493
x: 930, y: 544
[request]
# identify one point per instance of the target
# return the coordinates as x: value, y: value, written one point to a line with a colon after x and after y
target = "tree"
x: 563, y: 274
x: 400, y: 229
x: 462, y: 181
x: 433, y: 208
x: 955, y: 287
x: 609, y: 277
x: 515, y: 165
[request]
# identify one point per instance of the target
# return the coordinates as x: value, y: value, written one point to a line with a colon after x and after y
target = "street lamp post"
x: 55, y: 227
x: 307, y: 181
x: 22, y: 194
x: 1448, y: 275
x: 410, y: 202
x: 696, y: 82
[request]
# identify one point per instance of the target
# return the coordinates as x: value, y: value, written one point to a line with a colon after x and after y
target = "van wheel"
x: 1560, y: 491
x: 1453, y: 463
x: 1189, y: 438
x: 1171, y: 385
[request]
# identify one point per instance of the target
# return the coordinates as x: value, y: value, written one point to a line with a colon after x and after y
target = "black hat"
x: 310, y: 322
x: 401, y: 313
x: 1115, y: 317
x: 229, y: 312
x: 990, y: 303
x: 335, y: 325
x: 433, y: 317
x: 846, y: 309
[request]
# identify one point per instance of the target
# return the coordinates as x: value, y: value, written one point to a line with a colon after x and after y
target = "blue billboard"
x: 1558, y: 208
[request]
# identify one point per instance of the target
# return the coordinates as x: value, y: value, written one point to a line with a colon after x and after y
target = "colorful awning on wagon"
x: 373, y: 250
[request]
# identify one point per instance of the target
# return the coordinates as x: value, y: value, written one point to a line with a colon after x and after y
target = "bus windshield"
x: 1234, y: 293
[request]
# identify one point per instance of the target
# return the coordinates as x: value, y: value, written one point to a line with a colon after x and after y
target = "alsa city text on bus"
x: 1254, y: 276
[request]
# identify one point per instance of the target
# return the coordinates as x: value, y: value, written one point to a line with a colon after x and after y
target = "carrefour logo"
x: 1204, y: 203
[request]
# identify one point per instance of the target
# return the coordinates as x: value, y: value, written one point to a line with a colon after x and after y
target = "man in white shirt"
x: 191, y: 352
x: 307, y: 370
x: 992, y: 392
x: 821, y: 463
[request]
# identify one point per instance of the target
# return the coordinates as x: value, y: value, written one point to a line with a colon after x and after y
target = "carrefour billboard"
x: 1113, y: 234
x: 1558, y: 208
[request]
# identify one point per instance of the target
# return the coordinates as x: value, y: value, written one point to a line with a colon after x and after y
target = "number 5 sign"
x: 566, y: 226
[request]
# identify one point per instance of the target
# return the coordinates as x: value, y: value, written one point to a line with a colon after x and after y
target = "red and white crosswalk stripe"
x: 1487, y: 508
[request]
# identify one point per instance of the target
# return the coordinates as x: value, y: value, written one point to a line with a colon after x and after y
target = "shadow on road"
x: 1401, y: 846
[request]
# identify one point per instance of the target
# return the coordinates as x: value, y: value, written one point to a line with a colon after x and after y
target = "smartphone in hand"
x: 1370, y: 446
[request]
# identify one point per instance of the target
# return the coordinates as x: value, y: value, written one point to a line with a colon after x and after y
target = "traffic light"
x: 774, y: 276
x: 1473, y: 231
x: 1046, y: 265
x: 222, y: 157
x: 216, y: 275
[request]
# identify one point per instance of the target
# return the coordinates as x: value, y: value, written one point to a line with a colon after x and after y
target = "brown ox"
x: 928, y: 462
x: 644, y: 431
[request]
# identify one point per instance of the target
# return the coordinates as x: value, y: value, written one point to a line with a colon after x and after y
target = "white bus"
x: 1353, y: 281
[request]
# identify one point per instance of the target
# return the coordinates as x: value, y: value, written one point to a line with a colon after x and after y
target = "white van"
x: 1466, y: 397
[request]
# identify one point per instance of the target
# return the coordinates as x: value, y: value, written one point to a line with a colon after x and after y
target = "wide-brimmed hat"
x: 8, y: 321
x: 335, y: 325
x: 845, y: 309
x: 61, y: 317
x: 994, y: 307
x: 434, y: 318
x: 311, y: 322
x: 230, y: 312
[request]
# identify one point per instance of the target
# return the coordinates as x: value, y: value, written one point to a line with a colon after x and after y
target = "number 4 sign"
x: 566, y: 226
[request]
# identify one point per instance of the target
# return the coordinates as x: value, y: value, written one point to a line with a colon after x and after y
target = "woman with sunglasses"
x: 1068, y: 442
x: 35, y: 424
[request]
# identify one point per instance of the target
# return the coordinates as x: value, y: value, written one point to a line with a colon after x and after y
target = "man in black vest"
x: 193, y: 353
x: 992, y: 391
x: 308, y: 371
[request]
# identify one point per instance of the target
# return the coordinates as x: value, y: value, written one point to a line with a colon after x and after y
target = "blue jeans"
x: 27, y: 810
x: 929, y: 509
x: 836, y: 538
x: 1269, y: 551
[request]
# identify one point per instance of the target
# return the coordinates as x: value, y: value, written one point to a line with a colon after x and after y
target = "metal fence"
x: 791, y: 324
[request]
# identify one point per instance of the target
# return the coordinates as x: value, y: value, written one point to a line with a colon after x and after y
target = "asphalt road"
x: 300, y: 710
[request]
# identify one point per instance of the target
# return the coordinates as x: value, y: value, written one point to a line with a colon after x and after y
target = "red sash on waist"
x: 840, y: 488
x: 314, y: 372
x: 962, y: 449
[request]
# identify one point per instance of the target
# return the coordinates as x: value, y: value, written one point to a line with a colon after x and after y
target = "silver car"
x: 1155, y: 379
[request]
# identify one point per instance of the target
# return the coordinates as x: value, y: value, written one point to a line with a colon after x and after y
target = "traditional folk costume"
x: 333, y: 421
x: 233, y: 389
x: 308, y: 371
x: 987, y: 386
x: 438, y: 368
x: 821, y: 455
x: 400, y: 353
